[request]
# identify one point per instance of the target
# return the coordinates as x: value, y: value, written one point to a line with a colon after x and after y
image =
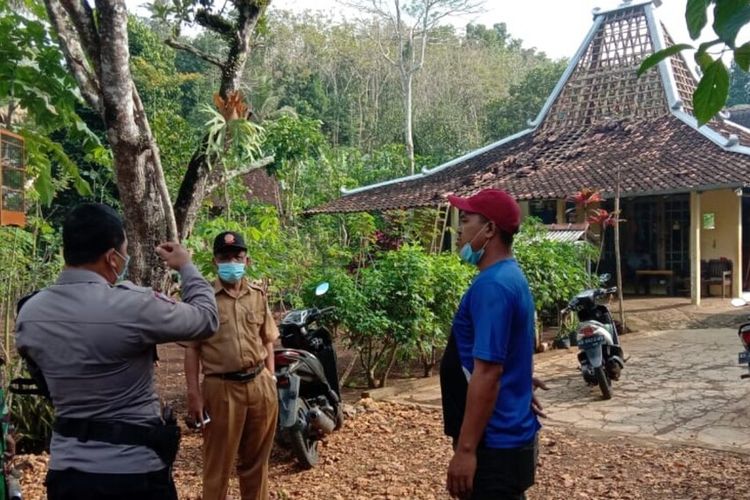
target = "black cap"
x: 229, y: 240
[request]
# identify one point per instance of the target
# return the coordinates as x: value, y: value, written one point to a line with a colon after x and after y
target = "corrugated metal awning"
x: 566, y: 233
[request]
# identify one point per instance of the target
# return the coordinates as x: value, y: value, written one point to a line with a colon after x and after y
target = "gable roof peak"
x: 625, y: 4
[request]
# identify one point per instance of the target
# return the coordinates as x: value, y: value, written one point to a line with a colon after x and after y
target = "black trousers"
x: 71, y: 484
x: 505, y: 473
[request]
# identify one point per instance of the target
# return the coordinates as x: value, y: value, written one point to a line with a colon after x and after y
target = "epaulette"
x: 256, y: 286
x: 129, y: 285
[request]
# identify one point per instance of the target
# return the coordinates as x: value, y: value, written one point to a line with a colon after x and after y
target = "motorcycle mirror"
x: 604, y: 278
x: 738, y: 302
x: 321, y: 289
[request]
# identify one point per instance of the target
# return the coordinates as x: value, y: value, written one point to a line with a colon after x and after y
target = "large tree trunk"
x: 96, y: 51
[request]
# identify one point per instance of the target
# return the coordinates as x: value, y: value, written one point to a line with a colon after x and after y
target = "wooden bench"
x: 645, y: 276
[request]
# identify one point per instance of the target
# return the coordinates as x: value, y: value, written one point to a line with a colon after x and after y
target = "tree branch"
x: 82, y: 17
x: 248, y: 13
x: 383, y: 52
x: 176, y: 44
x: 75, y: 57
x: 161, y: 182
x: 226, y: 176
x: 116, y: 81
x: 215, y: 23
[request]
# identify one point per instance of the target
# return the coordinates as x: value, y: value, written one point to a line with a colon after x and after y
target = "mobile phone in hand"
x: 206, y: 419
x: 197, y: 425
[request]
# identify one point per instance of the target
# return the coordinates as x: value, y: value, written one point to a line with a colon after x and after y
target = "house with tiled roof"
x: 682, y: 186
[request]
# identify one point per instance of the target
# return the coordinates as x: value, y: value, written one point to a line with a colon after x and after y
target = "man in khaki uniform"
x: 239, y: 389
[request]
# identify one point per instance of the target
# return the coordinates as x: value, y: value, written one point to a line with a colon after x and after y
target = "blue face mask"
x: 231, y: 272
x: 124, y: 273
x: 468, y: 254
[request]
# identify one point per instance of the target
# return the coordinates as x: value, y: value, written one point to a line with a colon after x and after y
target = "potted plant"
x: 562, y: 339
x: 568, y: 324
x: 566, y: 333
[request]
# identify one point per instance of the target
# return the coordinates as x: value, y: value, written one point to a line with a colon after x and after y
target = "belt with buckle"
x: 243, y: 376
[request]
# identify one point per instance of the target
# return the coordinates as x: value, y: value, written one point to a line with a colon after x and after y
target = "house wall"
x: 725, y: 240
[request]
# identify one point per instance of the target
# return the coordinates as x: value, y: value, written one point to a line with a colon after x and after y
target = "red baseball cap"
x: 496, y: 205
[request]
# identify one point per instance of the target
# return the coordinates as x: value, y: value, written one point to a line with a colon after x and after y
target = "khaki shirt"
x: 246, y: 326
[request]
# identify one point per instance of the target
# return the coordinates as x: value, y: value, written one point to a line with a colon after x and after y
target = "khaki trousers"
x: 243, y: 422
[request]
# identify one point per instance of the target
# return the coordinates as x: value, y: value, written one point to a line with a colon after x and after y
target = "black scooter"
x: 310, y: 404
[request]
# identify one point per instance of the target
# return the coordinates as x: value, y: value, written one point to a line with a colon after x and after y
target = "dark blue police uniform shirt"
x: 495, y: 323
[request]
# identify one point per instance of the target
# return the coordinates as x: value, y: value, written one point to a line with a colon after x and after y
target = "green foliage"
x: 32, y: 79
x: 275, y: 252
x: 160, y: 84
x: 739, y: 86
x: 556, y: 271
x: 402, y: 303
x: 325, y: 70
x: 177, y: 142
x: 293, y: 139
x: 32, y: 416
x: 695, y: 15
x: 29, y: 260
x: 234, y: 142
x: 713, y: 88
x: 658, y: 57
x: 510, y: 114
x: 712, y: 91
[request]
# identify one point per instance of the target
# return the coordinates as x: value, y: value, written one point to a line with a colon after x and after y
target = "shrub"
x: 556, y: 270
x: 401, y: 305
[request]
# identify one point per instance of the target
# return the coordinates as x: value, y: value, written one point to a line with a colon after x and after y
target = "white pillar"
x: 696, y: 222
x: 737, y: 271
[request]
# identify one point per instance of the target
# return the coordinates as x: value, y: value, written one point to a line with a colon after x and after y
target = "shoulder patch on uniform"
x: 165, y: 298
x: 129, y: 285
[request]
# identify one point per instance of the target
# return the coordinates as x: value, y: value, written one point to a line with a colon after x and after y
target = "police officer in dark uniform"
x: 92, y: 336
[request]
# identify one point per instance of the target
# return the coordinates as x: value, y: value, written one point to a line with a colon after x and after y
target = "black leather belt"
x: 244, y: 376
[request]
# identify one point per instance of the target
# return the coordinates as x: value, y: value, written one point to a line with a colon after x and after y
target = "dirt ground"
x: 389, y: 450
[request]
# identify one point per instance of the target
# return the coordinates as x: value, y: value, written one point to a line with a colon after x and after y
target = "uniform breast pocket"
x: 254, y: 320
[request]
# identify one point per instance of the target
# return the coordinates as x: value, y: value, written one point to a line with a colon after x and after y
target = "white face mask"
x: 120, y: 276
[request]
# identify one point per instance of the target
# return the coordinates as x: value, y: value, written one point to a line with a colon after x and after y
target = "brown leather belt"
x: 243, y: 376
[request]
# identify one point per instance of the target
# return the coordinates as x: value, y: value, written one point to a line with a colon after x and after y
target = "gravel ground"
x: 388, y: 450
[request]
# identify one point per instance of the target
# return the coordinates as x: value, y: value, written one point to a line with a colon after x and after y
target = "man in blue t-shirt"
x: 487, y: 369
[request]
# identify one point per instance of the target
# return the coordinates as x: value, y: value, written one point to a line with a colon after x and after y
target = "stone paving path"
x: 680, y: 386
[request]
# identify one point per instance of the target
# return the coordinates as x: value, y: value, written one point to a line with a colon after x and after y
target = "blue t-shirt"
x: 495, y: 323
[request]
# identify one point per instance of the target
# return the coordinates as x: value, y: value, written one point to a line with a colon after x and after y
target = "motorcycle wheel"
x: 339, y: 416
x: 304, y: 448
x: 604, y: 383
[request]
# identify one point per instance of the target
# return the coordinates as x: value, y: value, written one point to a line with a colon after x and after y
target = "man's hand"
x: 195, y: 407
x: 461, y: 472
x: 536, y: 406
x: 173, y: 254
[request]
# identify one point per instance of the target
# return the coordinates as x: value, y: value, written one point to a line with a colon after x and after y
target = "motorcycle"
x: 600, y: 357
x: 744, y: 356
x: 310, y: 404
